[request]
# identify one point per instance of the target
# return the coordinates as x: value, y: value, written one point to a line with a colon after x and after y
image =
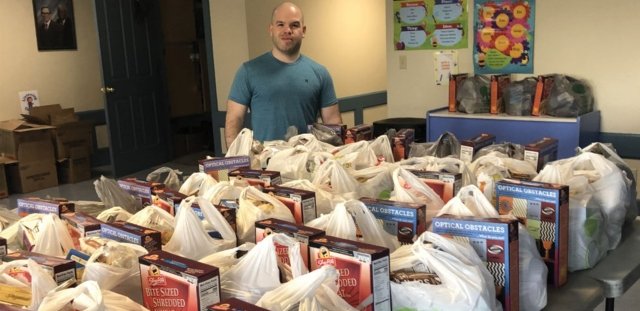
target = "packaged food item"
x: 454, y: 84
x: 81, y: 225
x: 219, y: 168
x: 234, y: 304
x: 142, y: 190
x: 358, y: 133
x: 499, y: 84
x: 60, y: 269
x: 402, y: 144
x: 171, y: 282
x: 541, y: 97
x: 541, y: 152
x: 469, y: 147
x: 364, y: 270
x: 301, y: 203
x: 404, y: 220
x: 299, y: 232
x: 495, y: 240
x: 446, y: 185
x: 56, y: 206
x: 257, y: 178
x: 544, y: 210
x: 122, y: 231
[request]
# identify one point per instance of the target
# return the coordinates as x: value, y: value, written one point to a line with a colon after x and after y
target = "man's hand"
x: 331, y: 114
x: 234, y: 121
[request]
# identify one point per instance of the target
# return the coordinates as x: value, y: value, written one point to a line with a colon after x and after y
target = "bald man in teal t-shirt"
x: 281, y: 87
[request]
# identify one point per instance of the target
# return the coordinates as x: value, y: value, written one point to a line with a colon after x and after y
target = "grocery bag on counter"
x: 317, y: 290
x: 446, y: 145
x: 223, y: 190
x: 471, y: 202
x: 448, y: 165
x: 245, y: 145
x: 374, y: 181
x: 291, y: 163
x: 353, y: 221
x: 255, y: 205
x: 114, y: 266
x: 155, y: 218
x: 113, y: 214
x: 568, y: 97
x: 324, y: 199
x: 494, y: 167
x: 196, y: 183
x: 333, y: 177
x: 588, y: 224
x: 227, y: 258
x: 257, y: 272
x: 171, y: 180
x: 510, y: 150
x: 112, y: 195
x: 409, y: 188
x: 381, y: 147
x: 52, y: 237
x: 310, y: 142
x: 271, y: 148
x: 452, y: 277
x: 355, y: 156
x: 31, y: 281
x: 607, y: 151
x: 474, y: 95
x: 325, y: 134
x: 88, y: 296
x: 190, y: 239
x: 7, y: 218
x: 93, y: 208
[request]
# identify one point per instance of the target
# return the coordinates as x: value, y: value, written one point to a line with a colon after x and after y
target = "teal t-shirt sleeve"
x: 240, y: 90
x: 328, y: 94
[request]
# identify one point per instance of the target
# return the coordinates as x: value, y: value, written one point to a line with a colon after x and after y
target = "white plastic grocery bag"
x: 470, y: 201
x: 382, y: 149
x: 112, y: 195
x: 465, y: 282
x: 227, y: 258
x: 254, y: 205
x: 191, y: 240
x: 292, y: 163
x: 374, y: 181
x: 53, y: 238
x: 14, y: 233
x: 310, y: 142
x: 324, y: 199
x: 171, y: 181
x: 223, y: 190
x: 355, y: 156
x: 88, y: 296
x: 155, y: 218
x: 257, y: 272
x: 114, y: 263
x: 353, y: 221
x: 197, y: 182
x: 316, y: 290
x: 332, y: 177
x: 409, y: 188
x: 40, y: 283
x: 113, y: 214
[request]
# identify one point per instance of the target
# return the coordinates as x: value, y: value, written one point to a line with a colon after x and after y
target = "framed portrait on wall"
x: 55, y: 27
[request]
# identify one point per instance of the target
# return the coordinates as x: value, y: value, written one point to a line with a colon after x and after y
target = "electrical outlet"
x: 403, y: 61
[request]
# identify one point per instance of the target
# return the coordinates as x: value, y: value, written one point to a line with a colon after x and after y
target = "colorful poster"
x: 430, y: 24
x: 503, y: 39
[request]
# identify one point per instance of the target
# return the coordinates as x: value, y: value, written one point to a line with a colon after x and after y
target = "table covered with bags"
x: 382, y: 234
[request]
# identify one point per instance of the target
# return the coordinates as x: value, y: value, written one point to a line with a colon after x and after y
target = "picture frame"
x: 55, y: 25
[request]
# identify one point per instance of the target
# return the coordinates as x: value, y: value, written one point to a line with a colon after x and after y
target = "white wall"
x: 592, y: 40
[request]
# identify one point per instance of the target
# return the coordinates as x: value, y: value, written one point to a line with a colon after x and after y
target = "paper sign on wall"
x: 445, y: 64
x: 28, y: 99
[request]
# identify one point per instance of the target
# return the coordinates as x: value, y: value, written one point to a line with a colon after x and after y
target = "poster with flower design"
x: 430, y: 24
x: 504, y: 33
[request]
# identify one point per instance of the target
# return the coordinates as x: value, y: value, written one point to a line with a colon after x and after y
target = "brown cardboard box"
x: 36, y: 168
x: 13, y: 133
x: 68, y: 133
x: 75, y: 168
x: 4, y: 186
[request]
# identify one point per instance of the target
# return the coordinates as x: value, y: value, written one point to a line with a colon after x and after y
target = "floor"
x: 85, y: 191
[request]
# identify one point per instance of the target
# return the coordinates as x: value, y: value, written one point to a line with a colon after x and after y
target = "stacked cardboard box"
x: 30, y: 145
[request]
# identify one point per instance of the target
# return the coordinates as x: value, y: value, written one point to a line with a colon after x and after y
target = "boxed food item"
x: 541, y: 96
x: 228, y: 213
x: 301, y: 203
x: 544, y: 210
x: 171, y: 282
x: 60, y: 269
x: 445, y: 184
x: 257, y: 178
x: 122, y: 231
x: 81, y: 225
x: 168, y: 200
x: 219, y: 168
x: 358, y: 133
x: 364, y: 270
x: 499, y: 83
x: 404, y: 220
x: 33, y: 205
x: 455, y: 81
x: 299, y: 232
x: 541, y: 152
x: 402, y: 143
x: 142, y: 190
x: 495, y: 240
x: 3, y: 246
x: 469, y: 147
x: 234, y: 304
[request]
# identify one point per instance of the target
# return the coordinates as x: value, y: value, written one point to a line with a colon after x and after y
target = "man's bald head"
x: 286, y: 6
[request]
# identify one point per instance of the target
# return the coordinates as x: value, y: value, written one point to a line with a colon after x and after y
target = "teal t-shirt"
x: 281, y: 94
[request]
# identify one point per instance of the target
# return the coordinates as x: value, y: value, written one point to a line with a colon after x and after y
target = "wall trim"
x: 627, y: 145
x: 358, y: 103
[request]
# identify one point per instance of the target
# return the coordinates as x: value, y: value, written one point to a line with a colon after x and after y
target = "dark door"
x: 132, y: 66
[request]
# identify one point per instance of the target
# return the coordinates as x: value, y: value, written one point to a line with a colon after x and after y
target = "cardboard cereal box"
x: 301, y: 203
x: 219, y: 168
x: 404, y: 220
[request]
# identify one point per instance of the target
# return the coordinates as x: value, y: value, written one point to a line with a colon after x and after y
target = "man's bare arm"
x: 234, y: 121
x: 331, y: 115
